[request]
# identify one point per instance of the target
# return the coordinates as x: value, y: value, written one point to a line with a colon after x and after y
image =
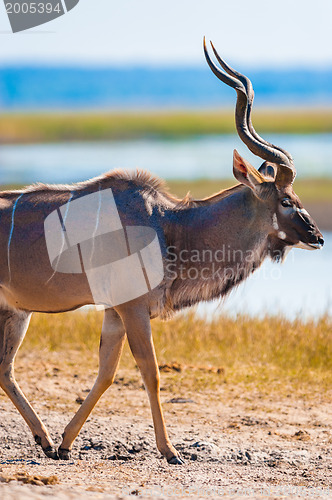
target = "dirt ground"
x: 236, y: 443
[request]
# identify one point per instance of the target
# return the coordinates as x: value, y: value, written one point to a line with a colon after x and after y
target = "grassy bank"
x: 51, y: 127
x: 272, y: 354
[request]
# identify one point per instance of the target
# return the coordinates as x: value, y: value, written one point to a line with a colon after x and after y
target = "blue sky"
x: 155, y: 32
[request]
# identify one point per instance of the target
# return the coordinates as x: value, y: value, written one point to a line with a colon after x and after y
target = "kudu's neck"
x: 213, y: 246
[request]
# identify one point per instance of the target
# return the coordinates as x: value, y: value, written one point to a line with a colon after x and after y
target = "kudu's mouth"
x: 317, y: 245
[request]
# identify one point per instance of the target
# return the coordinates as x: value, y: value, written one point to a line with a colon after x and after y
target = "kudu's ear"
x: 246, y: 173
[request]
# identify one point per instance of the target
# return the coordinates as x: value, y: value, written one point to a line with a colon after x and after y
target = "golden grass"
x: 66, y: 126
x: 271, y: 353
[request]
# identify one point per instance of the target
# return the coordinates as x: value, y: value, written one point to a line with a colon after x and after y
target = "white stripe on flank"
x: 11, y: 235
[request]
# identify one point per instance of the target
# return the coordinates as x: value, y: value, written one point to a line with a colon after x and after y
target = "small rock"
x: 234, y: 425
x: 125, y: 458
x: 170, y: 367
x: 180, y: 400
x: 302, y: 435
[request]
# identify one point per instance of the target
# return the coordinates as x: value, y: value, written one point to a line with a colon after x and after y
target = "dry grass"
x: 272, y: 354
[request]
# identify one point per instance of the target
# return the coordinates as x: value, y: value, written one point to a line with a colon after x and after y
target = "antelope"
x: 259, y: 217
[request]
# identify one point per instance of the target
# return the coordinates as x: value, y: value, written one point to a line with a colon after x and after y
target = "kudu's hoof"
x: 51, y: 452
x: 176, y: 460
x: 64, y: 454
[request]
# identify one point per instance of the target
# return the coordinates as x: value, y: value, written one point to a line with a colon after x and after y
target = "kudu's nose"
x: 316, y: 239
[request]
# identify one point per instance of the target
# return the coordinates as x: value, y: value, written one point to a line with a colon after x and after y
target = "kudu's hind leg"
x: 138, y: 328
x: 111, y: 343
x: 13, y: 326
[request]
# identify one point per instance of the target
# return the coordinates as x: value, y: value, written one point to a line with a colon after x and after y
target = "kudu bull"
x: 258, y: 218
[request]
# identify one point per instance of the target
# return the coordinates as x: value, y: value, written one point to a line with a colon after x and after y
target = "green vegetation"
x: 50, y: 127
x: 273, y: 353
x: 311, y: 190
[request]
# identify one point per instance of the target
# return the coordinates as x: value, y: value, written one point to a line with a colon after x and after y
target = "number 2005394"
x: 32, y: 8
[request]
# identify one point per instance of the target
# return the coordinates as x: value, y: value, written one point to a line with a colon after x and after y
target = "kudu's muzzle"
x: 307, y: 229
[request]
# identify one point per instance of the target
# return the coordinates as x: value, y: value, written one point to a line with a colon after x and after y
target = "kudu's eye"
x: 286, y: 202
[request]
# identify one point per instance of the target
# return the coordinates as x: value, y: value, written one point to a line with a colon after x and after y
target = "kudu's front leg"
x: 13, y: 326
x: 138, y: 328
x: 111, y: 343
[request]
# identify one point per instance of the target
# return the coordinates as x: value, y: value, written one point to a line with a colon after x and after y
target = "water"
x: 28, y: 87
x: 301, y: 287
x: 208, y: 156
x: 52, y: 87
